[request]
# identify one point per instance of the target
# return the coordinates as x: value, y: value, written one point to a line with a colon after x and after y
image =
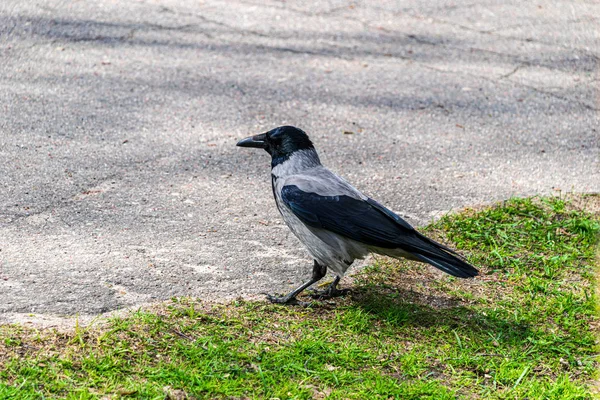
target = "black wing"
x: 356, y: 219
x: 369, y: 222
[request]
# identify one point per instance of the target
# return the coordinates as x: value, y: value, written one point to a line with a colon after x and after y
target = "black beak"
x: 258, y: 141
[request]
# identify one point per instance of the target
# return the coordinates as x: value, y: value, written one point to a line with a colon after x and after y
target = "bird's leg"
x: 331, y: 291
x: 319, y: 272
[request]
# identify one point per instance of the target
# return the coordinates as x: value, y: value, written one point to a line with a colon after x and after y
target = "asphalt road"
x: 120, y: 182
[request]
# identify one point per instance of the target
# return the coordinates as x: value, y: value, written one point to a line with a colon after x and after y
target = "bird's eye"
x: 275, y: 140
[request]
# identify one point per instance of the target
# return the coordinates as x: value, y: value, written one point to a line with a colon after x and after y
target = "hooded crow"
x: 337, y: 223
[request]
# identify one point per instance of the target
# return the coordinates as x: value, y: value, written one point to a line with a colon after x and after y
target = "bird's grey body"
x: 304, y: 170
x: 336, y: 222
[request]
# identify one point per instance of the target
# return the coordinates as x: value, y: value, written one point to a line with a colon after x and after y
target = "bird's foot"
x: 328, y: 293
x: 287, y: 300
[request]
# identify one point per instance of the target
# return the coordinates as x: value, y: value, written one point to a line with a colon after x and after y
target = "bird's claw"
x: 286, y: 300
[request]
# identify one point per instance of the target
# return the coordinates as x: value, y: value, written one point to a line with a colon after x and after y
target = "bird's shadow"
x: 400, y: 307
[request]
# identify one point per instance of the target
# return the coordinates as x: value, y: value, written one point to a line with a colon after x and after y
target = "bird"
x: 335, y: 221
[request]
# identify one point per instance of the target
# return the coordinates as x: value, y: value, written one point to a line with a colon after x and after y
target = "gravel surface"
x: 120, y: 182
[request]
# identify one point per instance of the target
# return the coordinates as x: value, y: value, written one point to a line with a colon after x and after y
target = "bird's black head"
x: 280, y: 142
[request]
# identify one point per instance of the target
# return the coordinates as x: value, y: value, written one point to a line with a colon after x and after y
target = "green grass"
x: 522, y: 330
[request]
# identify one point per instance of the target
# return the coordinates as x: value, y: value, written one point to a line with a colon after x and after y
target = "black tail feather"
x: 445, y: 259
x: 450, y: 264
